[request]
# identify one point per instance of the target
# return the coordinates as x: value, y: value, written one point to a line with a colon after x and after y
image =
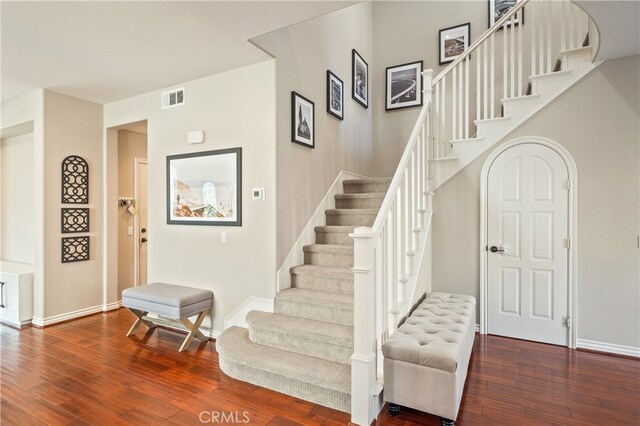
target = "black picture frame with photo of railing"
x: 498, y: 8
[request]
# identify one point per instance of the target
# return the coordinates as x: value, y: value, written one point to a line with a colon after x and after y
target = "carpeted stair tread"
x: 360, y: 195
x: 320, y: 381
x: 328, y: 248
x: 317, y: 330
x: 318, y: 298
x: 352, y: 211
x: 363, y: 181
x: 330, y: 271
x: 335, y: 228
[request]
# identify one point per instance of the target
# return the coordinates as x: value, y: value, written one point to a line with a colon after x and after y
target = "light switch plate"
x: 223, y: 237
x: 130, y: 230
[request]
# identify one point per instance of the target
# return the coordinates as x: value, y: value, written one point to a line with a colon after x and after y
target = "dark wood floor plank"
x: 88, y: 372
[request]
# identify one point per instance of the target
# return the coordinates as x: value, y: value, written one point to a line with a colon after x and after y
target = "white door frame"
x: 572, y: 269
x: 136, y: 220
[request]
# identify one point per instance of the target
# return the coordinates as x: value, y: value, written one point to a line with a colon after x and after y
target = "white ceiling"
x: 104, y: 51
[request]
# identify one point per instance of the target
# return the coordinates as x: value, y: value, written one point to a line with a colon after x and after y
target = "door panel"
x: 527, y: 222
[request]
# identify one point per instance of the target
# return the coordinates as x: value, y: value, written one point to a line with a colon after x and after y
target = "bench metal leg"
x: 139, y: 320
x: 194, y: 330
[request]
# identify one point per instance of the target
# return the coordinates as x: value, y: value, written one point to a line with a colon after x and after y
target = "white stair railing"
x: 497, y: 66
x: 386, y: 261
x: 387, y: 256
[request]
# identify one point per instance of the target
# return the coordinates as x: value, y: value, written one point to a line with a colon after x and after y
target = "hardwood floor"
x: 88, y: 372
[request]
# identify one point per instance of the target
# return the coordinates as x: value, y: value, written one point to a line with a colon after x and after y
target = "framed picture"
x: 335, y: 96
x: 453, y: 41
x: 359, y: 79
x: 404, y: 86
x: 205, y: 188
x: 498, y: 8
x: 302, y: 120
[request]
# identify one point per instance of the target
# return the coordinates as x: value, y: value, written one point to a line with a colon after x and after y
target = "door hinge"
x: 567, y: 322
x: 567, y: 243
x: 568, y: 184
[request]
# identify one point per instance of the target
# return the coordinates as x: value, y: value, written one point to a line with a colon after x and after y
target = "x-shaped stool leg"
x: 194, y: 330
x: 140, y: 320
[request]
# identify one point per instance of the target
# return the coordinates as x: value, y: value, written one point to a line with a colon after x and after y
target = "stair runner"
x: 304, y: 348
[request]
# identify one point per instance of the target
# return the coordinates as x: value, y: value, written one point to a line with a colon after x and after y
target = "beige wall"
x: 407, y: 31
x: 598, y: 121
x: 131, y: 145
x: 303, y: 54
x: 17, y: 243
x: 71, y: 127
x: 235, y: 109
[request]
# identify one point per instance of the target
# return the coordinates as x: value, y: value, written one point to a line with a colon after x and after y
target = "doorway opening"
x: 132, y: 229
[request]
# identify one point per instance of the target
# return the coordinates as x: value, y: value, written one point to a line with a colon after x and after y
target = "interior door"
x: 141, y: 225
x: 527, y: 231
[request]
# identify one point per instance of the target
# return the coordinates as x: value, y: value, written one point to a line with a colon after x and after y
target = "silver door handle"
x: 2, y: 305
x: 495, y: 249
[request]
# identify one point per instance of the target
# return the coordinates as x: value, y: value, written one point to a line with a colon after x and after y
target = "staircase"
x: 323, y: 343
x: 304, y: 347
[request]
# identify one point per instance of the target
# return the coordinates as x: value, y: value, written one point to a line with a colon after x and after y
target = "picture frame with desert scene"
x: 205, y: 188
x: 335, y: 96
x: 453, y: 41
x: 359, y: 79
x: 302, y: 120
x: 403, y: 86
x: 498, y: 8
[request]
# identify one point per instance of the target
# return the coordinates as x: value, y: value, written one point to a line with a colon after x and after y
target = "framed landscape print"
x: 498, y: 8
x: 302, y: 120
x: 205, y: 188
x: 453, y: 41
x: 335, y: 96
x: 404, y: 86
x: 359, y: 79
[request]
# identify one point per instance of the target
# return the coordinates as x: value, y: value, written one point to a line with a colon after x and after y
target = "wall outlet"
x: 223, y: 237
x: 130, y: 230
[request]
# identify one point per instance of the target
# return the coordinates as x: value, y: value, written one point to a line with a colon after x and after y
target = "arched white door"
x: 527, y: 244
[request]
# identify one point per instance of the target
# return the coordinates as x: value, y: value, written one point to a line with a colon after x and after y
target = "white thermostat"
x: 257, y: 194
x: 196, y: 136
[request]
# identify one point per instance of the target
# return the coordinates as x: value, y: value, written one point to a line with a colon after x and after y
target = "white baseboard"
x: 308, y: 234
x: 608, y: 347
x: 43, y: 322
x: 237, y: 317
x: 112, y: 306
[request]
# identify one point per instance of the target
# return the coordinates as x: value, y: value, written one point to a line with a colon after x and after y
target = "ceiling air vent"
x: 172, y: 98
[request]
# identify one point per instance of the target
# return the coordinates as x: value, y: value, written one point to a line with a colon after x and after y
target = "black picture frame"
x: 335, y: 96
x: 497, y: 8
x: 359, y: 79
x: 458, y: 37
x: 403, y: 86
x: 205, y: 188
x: 303, y: 120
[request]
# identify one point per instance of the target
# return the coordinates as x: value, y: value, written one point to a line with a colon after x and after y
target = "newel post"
x: 363, y: 359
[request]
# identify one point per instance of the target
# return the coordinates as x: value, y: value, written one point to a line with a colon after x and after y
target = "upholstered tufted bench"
x: 426, y: 359
x: 173, y: 302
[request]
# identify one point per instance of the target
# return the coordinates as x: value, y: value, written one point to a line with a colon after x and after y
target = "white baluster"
x: 563, y: 25
x: 443, y: 136
x: 478, y: 85
x: 455, y: 103
x: 485, y: 82
x: 505, y: 49
x: 512, y: 56
x: 492, y: 91
x: 533, y: 25
x: 520, y: 70
x: 466, y: 99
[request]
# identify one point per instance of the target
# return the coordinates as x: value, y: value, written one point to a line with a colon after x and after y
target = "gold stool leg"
x: 139, y: 321
x: 193, y: 330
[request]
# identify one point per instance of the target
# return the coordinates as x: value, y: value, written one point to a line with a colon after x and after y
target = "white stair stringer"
x: 575, y: 64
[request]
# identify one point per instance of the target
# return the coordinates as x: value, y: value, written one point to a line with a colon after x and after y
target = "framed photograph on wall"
x: 335, y: 96
x: 453, y: 41
x: 403, y: 86
x: 205, y: 188
x: 302, y: 120
x: 359, y: 79
x: 498, y: 8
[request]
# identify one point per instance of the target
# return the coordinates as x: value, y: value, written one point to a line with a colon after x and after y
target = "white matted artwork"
x: 302, y: 120
x: 204, y: 188
x: 453, y: 41
x: 404, y: 86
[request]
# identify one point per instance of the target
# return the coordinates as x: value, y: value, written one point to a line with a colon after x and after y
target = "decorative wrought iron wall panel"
x: 75, y: 220
x: 75, y: 249
x: 75, y: 180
